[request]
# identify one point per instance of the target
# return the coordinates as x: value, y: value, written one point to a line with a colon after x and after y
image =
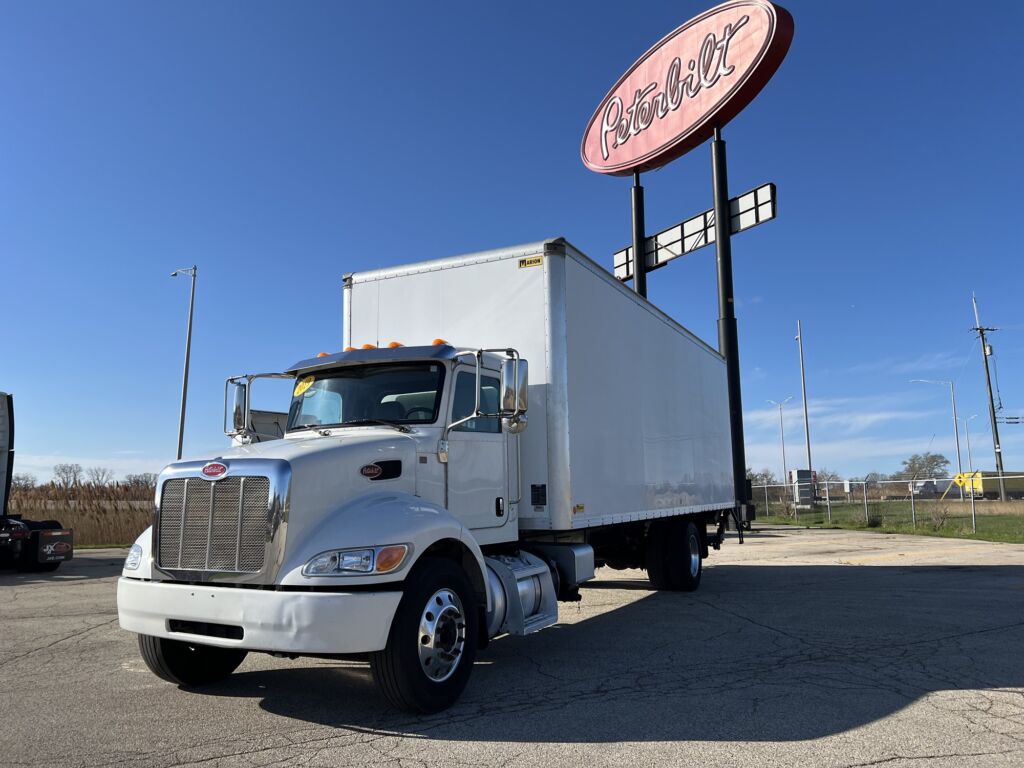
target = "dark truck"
x: 27, y: 545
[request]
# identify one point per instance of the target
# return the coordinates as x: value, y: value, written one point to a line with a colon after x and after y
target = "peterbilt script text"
x: 649, y: 103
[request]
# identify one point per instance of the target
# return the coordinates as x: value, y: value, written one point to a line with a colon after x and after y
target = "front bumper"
x: 289, y: 622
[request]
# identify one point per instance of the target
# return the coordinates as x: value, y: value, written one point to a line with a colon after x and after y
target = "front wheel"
x: 432, y: 644
x: 188, y: 664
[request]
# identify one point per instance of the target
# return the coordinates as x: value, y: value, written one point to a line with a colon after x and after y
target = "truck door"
x: 477, y: 481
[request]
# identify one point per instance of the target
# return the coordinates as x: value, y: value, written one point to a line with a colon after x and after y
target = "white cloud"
x: 849, y: 457
x: 843, y: 414
x: 929, y: 361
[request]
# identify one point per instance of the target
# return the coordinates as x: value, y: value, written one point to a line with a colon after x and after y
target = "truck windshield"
x: 407, y: 393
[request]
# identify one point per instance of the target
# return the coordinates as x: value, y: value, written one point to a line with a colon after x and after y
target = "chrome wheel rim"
x: 694, y: 556
x: 442, y: 636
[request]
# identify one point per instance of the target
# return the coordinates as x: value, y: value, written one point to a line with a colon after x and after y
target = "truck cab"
x: 396, y: 463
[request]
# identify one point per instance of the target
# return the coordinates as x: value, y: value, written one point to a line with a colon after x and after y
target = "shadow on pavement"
x: 84, y: 566
x: 760, y: 653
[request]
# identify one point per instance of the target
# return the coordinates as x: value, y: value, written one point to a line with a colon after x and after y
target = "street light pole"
x: 967, y: 433
x: 803, y: 392
x: 956, y: 435
x: 782, y: 436
x: 956, y: 421
x: 188, y: 351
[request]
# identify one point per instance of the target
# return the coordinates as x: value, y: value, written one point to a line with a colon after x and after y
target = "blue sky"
x: 281, y: 145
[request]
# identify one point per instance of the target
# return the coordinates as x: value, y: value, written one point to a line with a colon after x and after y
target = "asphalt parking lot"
x: 803, y: 647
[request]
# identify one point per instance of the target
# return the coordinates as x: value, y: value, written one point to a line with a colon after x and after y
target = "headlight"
x: 131, y: 563
x: 351, y: 562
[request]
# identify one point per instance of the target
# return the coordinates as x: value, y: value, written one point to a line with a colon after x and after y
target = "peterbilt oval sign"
x: 214, y: 469
x: 697, y: 77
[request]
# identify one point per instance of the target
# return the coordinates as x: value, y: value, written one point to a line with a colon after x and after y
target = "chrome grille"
x: 220, y: 525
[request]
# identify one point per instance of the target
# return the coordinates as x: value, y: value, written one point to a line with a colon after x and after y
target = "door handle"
x: 499, y: 506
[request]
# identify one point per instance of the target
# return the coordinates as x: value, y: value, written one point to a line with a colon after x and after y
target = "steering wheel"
x: 428, y: 411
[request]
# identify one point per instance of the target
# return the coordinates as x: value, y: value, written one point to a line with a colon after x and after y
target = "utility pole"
x: 986, y: 352
x: 803, y: 392
x: 188, y: 352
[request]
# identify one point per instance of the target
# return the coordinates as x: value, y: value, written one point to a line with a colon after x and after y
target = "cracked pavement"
x: 809, y: 647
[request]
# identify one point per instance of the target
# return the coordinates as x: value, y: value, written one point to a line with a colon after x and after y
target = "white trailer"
x: 428, y: 495
x: 596, y: 451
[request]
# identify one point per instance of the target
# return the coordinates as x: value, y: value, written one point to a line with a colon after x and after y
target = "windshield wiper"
x: 310, y: 426
x: 382, y: 422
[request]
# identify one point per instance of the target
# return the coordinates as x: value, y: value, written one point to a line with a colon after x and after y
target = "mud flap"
x: 54, y: 545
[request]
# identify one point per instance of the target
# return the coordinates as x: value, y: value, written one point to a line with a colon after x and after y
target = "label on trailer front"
x: 55, y: 546
x: 531, y: 261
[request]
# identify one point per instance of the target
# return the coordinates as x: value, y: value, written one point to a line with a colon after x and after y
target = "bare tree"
x: 67, y: 476
x: 827, y: 475
x: 764, y: 477
x: 141, y: 480
x: 23, y: 481
x: 99, y: 475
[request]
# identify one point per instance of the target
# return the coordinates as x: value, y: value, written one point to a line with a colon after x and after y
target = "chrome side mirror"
x: 515, y: 383
x: 239, y: 410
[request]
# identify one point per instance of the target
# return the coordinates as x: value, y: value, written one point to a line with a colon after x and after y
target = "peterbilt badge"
x: 214, y: 470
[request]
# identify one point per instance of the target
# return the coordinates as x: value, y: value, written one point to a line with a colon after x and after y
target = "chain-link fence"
x: 939, y: 506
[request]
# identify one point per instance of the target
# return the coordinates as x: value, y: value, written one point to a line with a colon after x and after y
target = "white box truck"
x: 497, y: 426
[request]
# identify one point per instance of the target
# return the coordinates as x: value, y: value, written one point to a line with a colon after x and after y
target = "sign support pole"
x: 639, y: 254
x: 728, y: 344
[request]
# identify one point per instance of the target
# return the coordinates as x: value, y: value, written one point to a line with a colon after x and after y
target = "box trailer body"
x: 985, y: 485
x: 628, y: 415
x: 424, y: 494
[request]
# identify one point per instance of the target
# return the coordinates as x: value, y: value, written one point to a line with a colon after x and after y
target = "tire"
x: 689, y: 566
x: 656, y: 554
x: 188, y: 664
x: 673, y: 555
x: 436, y: 619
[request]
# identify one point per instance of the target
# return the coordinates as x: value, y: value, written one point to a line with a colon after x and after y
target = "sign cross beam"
x: 745, y: 211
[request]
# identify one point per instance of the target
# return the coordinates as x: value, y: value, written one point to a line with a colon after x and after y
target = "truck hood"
x: 326, y: 470
x: 299, y: 448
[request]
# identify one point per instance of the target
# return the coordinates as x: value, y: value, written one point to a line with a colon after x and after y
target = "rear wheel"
x: 656, y: 554
x: 188, y: 664
x: 689, y: 565
x: 432, y: 644
x: 673, y: 555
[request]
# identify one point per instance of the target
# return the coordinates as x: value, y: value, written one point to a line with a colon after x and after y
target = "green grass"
x: 950, y: 519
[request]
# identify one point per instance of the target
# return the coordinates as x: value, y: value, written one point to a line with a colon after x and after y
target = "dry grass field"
x: 113, y: 514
